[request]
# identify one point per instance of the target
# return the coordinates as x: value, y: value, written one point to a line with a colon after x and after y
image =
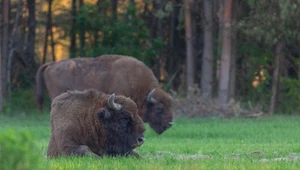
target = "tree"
x: 5, y: 42
x: 176, y: 55
x: 159, y: 7
x: 72, y: 30
x: 189, y: 44
x: 13, y: 48
x: 275, y: 78
x: 81, y: 34
x: 29, y: 57
x: 1, y: 94
x: 232, y: 81
x: 207, y: 58
x: 49, y: 31
x: 114, y: 7
x: 158, y: 14
x: 281, y: 20
x: 226, y: 53
x: 31, y: 32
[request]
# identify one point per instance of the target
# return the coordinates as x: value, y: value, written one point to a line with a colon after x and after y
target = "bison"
x: 118, y: 74
x: 93, y: 123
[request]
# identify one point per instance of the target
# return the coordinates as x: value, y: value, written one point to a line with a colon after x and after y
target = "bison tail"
x: 40, y: 85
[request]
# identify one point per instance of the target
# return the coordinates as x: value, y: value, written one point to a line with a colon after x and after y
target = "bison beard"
x: 92, y: 123
x: 118, y: 74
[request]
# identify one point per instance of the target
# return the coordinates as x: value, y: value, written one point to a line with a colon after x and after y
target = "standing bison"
x: 118, y: 74
x: 93, y: 123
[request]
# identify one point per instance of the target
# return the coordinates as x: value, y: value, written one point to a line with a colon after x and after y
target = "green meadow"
x: 192, y: 143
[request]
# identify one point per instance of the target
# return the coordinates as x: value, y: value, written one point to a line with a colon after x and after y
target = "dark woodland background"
x: 224, y: 51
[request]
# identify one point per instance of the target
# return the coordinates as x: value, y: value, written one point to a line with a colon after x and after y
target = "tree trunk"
x: 172, y: 25
x: 298, y: 70
x: 275, y: 78
x: 5, y: 42
x: 1, y: 94
x: 51, y: 31
x: 223, y: 92
x: 156, y: 24
x: 81, y: 34
x: 172, y: 35
x: 219, y: 9
x: 72, y: 31
x: 52, y: 43
x: 12, y: 48
x: 159, y: 30
x: 175, y: 61
x: 31, y: 33
x: 31, y: 65
x: 96, y: 36
x: 232, y: 81
x: 189, y: 44
x: 207, y: 58
x: 114, y: 7
x: 98, y: 3
x: 47, y: 31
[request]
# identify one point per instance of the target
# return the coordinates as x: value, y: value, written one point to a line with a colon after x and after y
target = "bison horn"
x: 112, y: 104
x: 150, y: 97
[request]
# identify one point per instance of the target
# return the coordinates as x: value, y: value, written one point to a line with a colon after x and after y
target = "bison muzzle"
x: 93, y: 123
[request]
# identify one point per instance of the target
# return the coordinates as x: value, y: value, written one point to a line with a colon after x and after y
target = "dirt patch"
x: 234, y: 156
x: 182, y: 156
x: 290, y: 158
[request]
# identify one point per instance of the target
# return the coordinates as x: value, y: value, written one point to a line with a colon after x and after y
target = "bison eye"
x: 124, y: 121
x: 159, y: 109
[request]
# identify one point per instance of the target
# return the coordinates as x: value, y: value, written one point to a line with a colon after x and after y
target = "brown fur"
x: 118, y: 74
x: 83, y: 124
x: 40, y: 85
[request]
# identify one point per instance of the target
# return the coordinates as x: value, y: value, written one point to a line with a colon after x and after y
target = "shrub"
x: 23, y: 102
x: 291, y: 95
x: 18, y: 151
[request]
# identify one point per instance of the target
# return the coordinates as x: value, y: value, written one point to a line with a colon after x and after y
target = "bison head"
x: 159, y: 110
x: 123, y: 126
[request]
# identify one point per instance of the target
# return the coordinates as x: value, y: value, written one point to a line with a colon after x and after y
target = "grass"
x: 198, y: 143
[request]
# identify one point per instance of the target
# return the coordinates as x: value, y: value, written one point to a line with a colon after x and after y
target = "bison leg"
x: 84, y: 150
x: 133, y: 153
x: 67, y: 146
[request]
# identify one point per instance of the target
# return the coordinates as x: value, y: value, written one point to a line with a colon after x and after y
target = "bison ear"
x: 104, y: 114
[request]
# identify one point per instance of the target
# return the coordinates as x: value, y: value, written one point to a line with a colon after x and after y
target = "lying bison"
x: 118, y: 74
x: 93, y: 123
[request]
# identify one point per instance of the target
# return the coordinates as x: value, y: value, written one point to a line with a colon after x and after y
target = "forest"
x: 231, y: 66
x: 243, y: 53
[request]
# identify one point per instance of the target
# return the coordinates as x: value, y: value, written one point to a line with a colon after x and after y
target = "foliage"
x: 291, y: 95
x: 267, y: 22
x: 253, y: 77
x: 127, y: 35
x: 260, y: 24
x: 23, y: 102
x: 18, y: 151
x: 198, y: 143
x: 272, y: 20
